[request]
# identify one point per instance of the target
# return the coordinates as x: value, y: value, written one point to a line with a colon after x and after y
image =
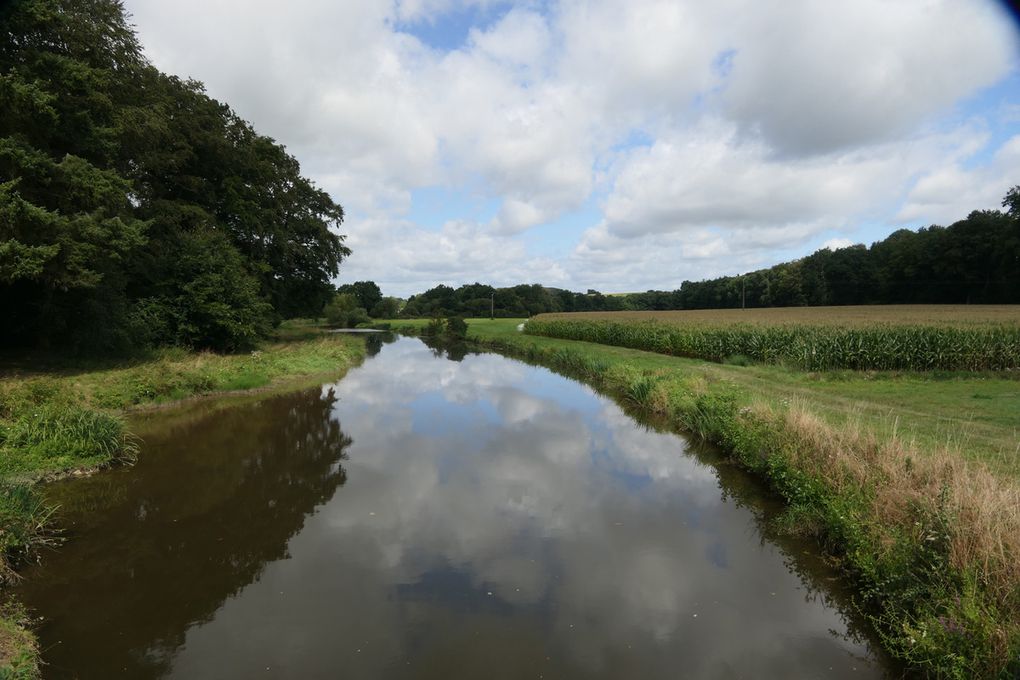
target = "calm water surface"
x: 429, y: 518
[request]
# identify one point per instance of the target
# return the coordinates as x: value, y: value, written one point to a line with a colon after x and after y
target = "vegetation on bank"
x: 927, y: 529
x: 69, y: 417
x: 943, y: 346
x: 19, y: 651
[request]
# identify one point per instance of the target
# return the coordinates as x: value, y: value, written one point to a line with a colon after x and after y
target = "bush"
x: 435, y: 328
x: 343, y: 312
x: 456, y: 327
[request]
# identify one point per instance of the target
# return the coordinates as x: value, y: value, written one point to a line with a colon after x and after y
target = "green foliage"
x: 435, y: 328
x: 207, y: 298
x: 135, y: 209
x: 456, y: 327
x: 387, y: 308
x: 344, y: 311
x: 367, y: 293
x: 813, y: 348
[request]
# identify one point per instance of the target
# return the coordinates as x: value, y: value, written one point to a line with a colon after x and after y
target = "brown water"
x: 429, y: 518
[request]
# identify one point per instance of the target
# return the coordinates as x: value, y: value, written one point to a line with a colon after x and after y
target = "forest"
x: 136, y: 210
x: 973, y: 261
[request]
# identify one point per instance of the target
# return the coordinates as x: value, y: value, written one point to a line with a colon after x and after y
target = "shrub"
x: 456, y: 327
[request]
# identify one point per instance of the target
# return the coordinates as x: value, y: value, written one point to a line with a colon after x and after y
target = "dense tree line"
x: 479, y: 300
x: 136, y: 210
x: 973, y: 261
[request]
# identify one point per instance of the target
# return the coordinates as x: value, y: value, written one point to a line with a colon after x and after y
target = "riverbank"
x: 910, y: 481
x: 59, y: 417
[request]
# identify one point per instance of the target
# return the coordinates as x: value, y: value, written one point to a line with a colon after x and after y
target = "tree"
x: 206, y: 299
x: 114, y: 176
x: 367, y: 293
x: 344, y: 311
x: 387, y: 308
x: 1011, y: 202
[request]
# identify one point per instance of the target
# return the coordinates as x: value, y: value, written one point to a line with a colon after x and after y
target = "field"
x: 906, y: 338
x: 962, y: 316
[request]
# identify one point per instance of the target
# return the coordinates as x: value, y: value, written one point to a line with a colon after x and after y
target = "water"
x: 427, y: 517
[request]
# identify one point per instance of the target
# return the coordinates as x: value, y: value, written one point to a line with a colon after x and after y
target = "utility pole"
x: 743, y: 296
x: 492, y: 307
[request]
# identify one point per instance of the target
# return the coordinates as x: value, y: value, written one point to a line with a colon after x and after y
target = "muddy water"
x: 429, y: 516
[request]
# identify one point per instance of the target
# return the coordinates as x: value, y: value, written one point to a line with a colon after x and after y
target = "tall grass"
x: 813, y: 348
x: 69, y: 433
x: 23, y: 518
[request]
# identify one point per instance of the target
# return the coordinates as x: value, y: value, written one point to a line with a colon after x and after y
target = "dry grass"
x: 907, y: 483
x: 863, y: 315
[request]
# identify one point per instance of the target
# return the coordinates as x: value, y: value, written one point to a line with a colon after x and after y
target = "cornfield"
x: 809, y: 347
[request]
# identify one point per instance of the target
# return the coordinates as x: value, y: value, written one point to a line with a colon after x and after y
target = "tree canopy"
x: 134, y: 208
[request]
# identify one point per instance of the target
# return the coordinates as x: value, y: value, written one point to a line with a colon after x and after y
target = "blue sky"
x: 611, y: 144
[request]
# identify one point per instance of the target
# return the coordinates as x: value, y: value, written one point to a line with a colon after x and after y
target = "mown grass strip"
x: 811, y: 348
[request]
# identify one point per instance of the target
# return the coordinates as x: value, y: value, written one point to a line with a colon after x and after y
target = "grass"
x: 19, y: 652
x: 59, y: 416
x: 911, y: 481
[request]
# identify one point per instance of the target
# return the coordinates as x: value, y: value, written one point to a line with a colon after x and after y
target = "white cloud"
x: 949, y: 193
x: 400, y: 255
x: 708, y: 175
x: 768, y: 127
x: 837, y: 243
x: 816, y: 76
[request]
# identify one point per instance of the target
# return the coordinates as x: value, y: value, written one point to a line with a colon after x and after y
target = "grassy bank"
x: 59, y: 417
x: 910, y: 481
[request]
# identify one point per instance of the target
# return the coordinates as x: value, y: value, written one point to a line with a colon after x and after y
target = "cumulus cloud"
x: 949, y: 193
x: 812, y: 77
x: 744, y: 127
x: 459, y: 252
x: 709, y: 175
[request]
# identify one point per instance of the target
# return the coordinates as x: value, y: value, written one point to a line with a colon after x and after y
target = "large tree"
x: 113, y: 178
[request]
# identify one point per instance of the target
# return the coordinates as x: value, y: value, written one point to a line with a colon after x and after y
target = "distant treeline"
x: 974, y: 261
x: 136, y: 210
